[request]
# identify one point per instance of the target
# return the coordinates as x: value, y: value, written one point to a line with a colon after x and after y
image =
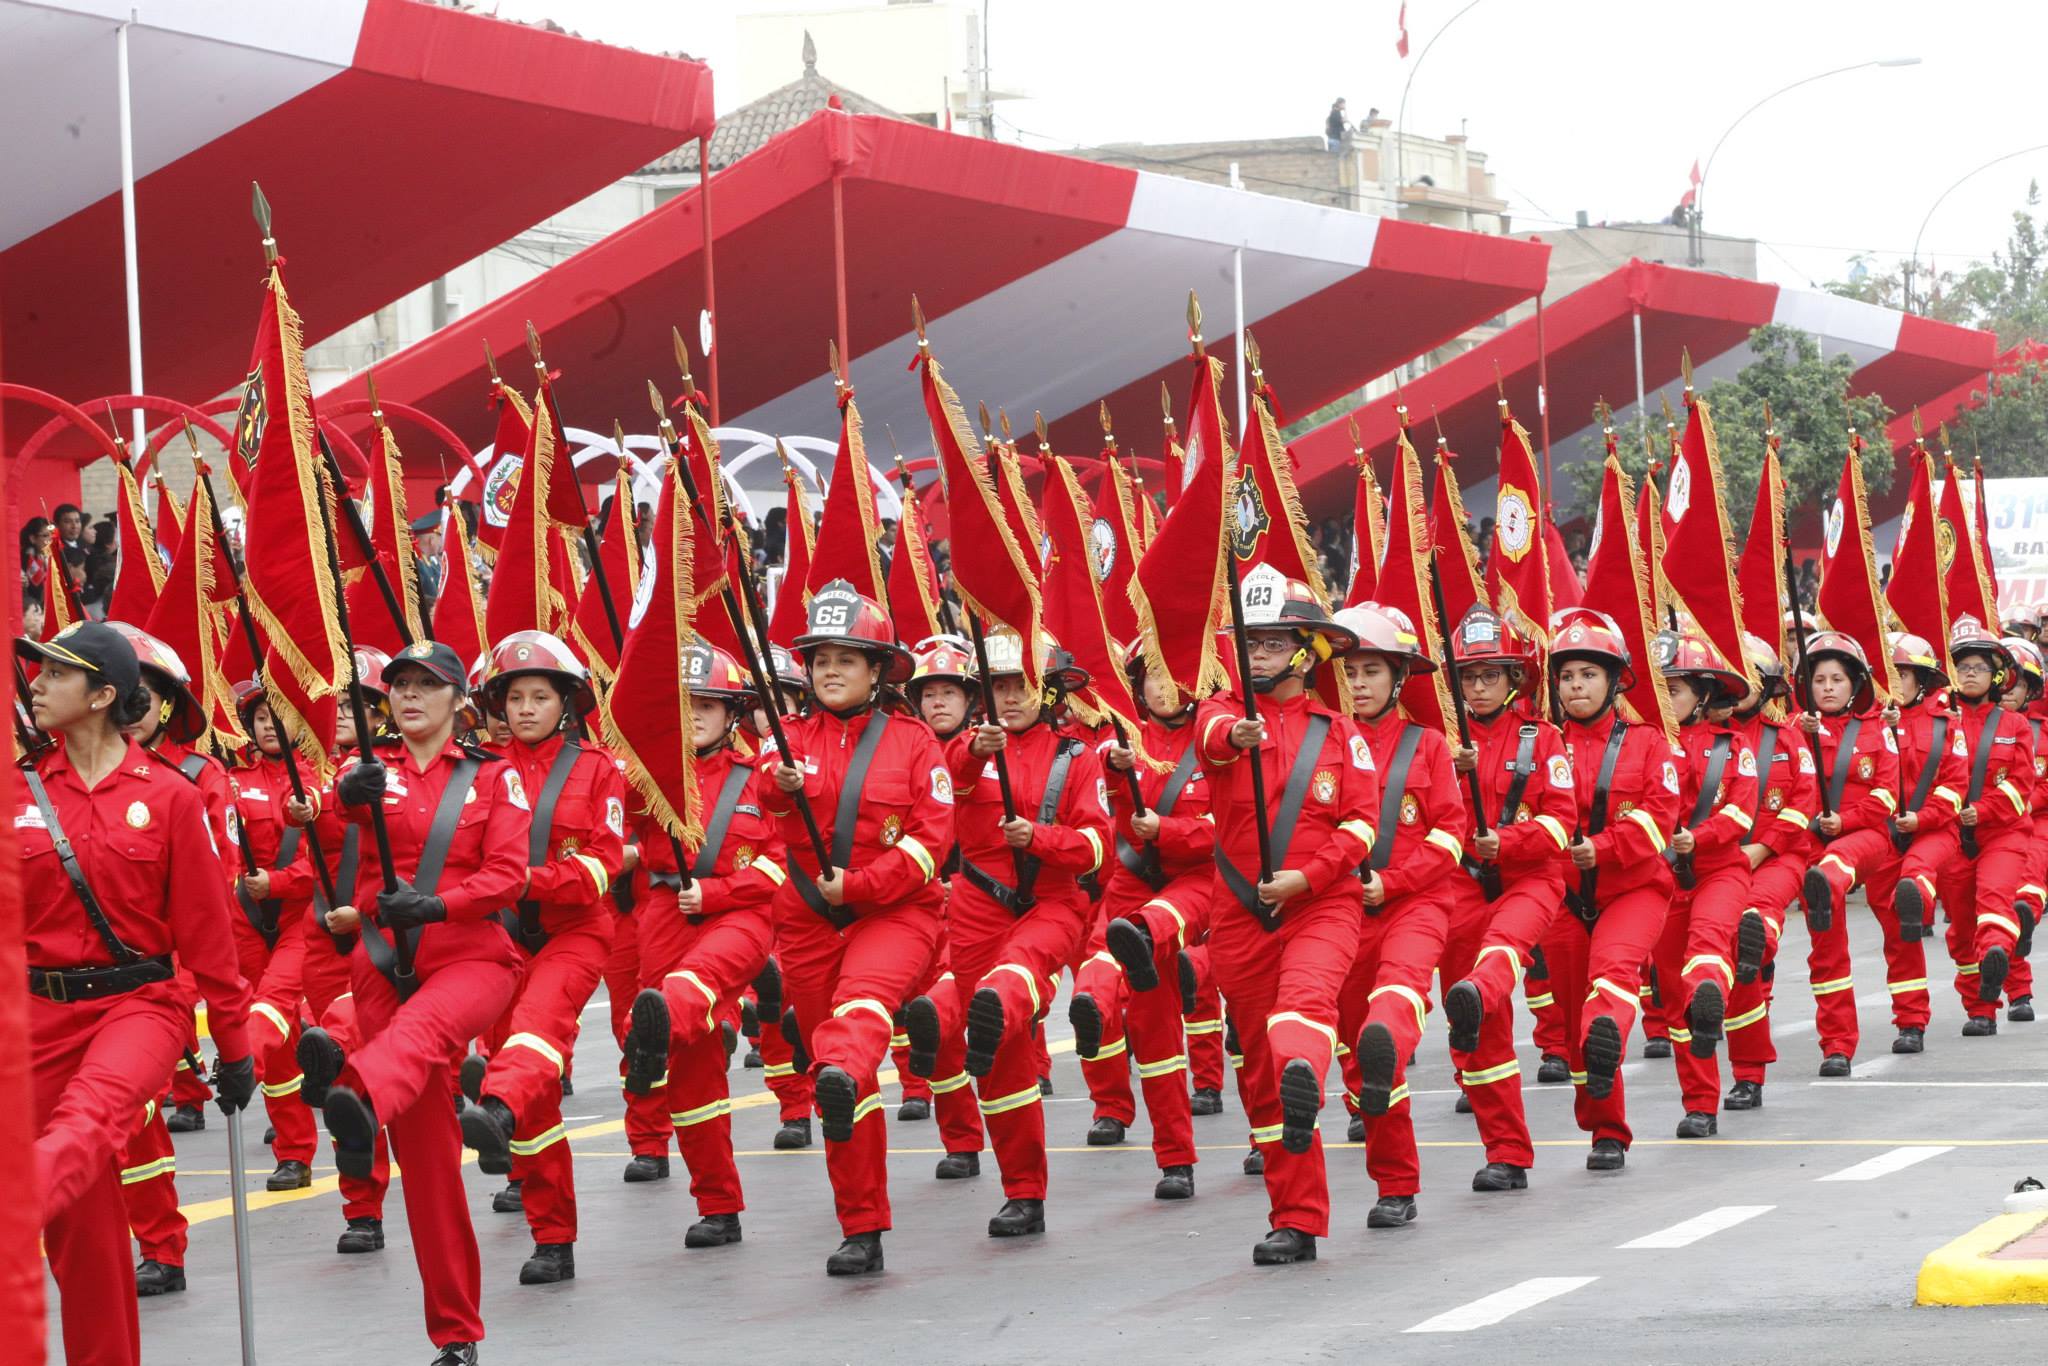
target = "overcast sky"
x: 1600, y: 105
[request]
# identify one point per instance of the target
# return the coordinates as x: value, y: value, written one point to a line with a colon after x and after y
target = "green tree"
x: 2007, y: 423
x: 2007, y: 295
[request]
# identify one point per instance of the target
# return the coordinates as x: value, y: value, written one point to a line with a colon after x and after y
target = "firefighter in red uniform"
x: 1615, y: 900
x: 1859, y: 776
x: 1280, y: 948
x: 701, y: 943
x: 854, y: 939
x: 1982, y: 888
x: 790, y: 1084
x: 457, y: 822
x: 119, y: 871
x: 941, y: 689
x: 1696, y: 957
x: 273, y: 935
x: 1778, y: 848
x: 563, y: 926
x: 1529, y: 806
x: 1155, y: 906
x: 2030, y: 702
x: 1017, y: 914
x: 1412, y: 889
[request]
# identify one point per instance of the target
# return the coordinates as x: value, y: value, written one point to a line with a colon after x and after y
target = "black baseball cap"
x: 91, y: 645
x: 436, y: 658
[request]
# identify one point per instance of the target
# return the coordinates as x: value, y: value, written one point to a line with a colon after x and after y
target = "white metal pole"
x: 1237, y: 290
x: 128, y: 232
x: 1642, y: 406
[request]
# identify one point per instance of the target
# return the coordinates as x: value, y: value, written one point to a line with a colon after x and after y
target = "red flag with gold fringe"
x: 1700, y: 555
x: 459, y: 611
x: 1118, y: 538
x: 1271, y: 526
x: 60, y: 603
x: 1404, y: 584
x: 1457, y: 562
x: 1761, y: 573
x: 590, y: 628
x: 991, y: 571
x: 139, y: 576
x: 523, y: 595
x: 1007, y: 474
x: 185, y: 614
x: 1962, y: 584
x: 850, y: 533
x: 500, y: 490
x: 1368, y: 526
x: 369, y: 615
x: 717, y: 553
x: 1074, y: 607
x: 793, y: 599
x: 1987, y: 567
x: 647, y: 716
x: 289, y: 577
x: 1848, y: 577
x: 1173, y: 456
x: 1179, y: 592
x: 1620, y: 582
x: 913, y: 576
x: 1519, y: 568
x: 1915, y: 590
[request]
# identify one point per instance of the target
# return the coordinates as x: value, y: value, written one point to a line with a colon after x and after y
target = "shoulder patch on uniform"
x: 513, y: 791
x: 942, y: 785
x: 1806, y: 761
x: 1670, y: 777
x: 1102, y: 795
x: 1746, y: 765
x: 1361, y: 753
x: 615, y: 815
x: 1560, y: 773
x: 1889, y: 742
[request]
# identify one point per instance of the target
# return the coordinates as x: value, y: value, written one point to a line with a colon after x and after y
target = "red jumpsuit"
x: 701, y: 963
x: 1019, y: 956
x: 2019, y: 982
x: 466, y: 968
x: 846, y: 984
x: 566, y: 885
x: 1698, y: 942
x: 1523, y: 757
x: 1933, y: 849
x: 142, y: 838
x: 1421, y: 826
x: 1282, y: 982
x: 1980, y: 893
x: 1596, y: 964
x: 1781, y: 821
x: 1165, y: 887
x: 272, y: 939
x: 1862, y: 780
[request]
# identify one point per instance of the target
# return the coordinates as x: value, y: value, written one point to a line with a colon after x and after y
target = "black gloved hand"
x: 406, y: 907
x: 234, y: 1082
x: 362, y: 785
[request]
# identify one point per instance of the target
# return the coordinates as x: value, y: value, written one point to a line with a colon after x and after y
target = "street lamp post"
x: 1913, y: 263
x: 1700, y: 199
x: 1401, y: 115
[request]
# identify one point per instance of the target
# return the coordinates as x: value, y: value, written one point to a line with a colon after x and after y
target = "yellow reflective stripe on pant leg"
x: 1745, y: 1019
x: 1414, y: 997
x: 1194, y: 1027
x: 1164, y: 1067
x: 539, y: 1142
x: 1268, y: 1134
x: 1030, y: 983
x: 1966, y: 969
x: 1543, y: 1002
x: 1578, y: 1078
x: 1105, y: 958
x: 1679, y: 1035
x: 1832, y: 985
x: 770, y: 1071
x: 1016, y: 1100
x: 283, y: 1088
x: 1618, y: 992
x: 868, y: 1106
x: 1180, y: 922
x: 899, y: 1041
x: 538, y: 1045
x: 1110, y: 1050
x: 717, y: 1109
x: 272, y: 1014
x: 943, y: 1086
x: 1712, y: 960
x: 1912, y: 984
x: 1297, y: 1017
x: 710, y: 996
x: 1489, y: 1075
x: 2005, y: 923
x: 1397, y: 1095
x: 867, y: 1003
x: 163, y: 1166
x: 1514, y: 959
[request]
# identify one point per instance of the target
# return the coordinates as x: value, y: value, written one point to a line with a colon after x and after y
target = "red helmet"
x: 1056, y: 668
x: 1966, y: 636
x: 841, y: 615
x: 2027, y: 655
x: 1843, y: 649
x: 1272, y: 601
x: 183, y: 719
x: 711, y: 672
x: 248, y: 693
x: 1385, y: 631
x: 1763, y: 657
x: 1582, y: 633
x: 1485, y: 637
x: 788, y: 670
x: 941, y: 659
x: 371, y: 663
x: 1917, y: 652
x: 1687, y: 654
x: 536, y: 652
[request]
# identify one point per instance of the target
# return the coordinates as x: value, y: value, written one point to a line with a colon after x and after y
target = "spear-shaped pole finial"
x: 260, y: 206
x: 1195, y: 324
x: 1357, y: 446
x: 540, y: 366
x: 917, y: 321
x: 192, y: 441
x: 1500, y: 391
x: 1942, y: 433
x: 987, y: 431
x: 1685, y: 366
x: 1401, y: 413
x: 1916, y: 422
x: 1102, y: 416
x: 1770, y: 425
x: 902, y: 470
x: 1442, y: 442
x: 376, y: 409
x: 120, y: 446
x: 491, y: 364
x: 1166, y: 406
x: 619, y: 437
x: 1670, y: 422
x: 682, y: 350
x: 1251, y: 355
x: 1003, y: 420
x: 654, y: 400
x: 832, y: 361
x: 782, y: 457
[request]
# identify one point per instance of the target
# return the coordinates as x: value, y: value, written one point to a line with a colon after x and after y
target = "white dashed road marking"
x: 1692, y: 1230
x: 1491, y: 1309
x: 1884, y: 1164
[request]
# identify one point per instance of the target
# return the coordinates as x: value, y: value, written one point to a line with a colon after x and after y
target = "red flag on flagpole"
x: 850, y: 534
x: 589, y: 628
x: 1915, y: 591
x: 369, y: 616
x: 1074, y: 605
x: 1173, y: 457
x: 60, y: 604
x: 139, y: 575
x: 459, y: 611
x: 1179, y: 589
x: 1619, y: 582
x: 1118, y: 538
x: 1987, y: 568
x: 1404, y: 584
x: 1692, y: 190
x: 1271, y: 526
x: 1401, y: 32
x: 793, y: 599
x: 184, y: 615
x: 1964, y: 585
x: 1368, y: 527
x: 500, y: 490
x: 913, y: 577
x: 1457, y: 562
x: 523, y: 594
x: 1007, y: 473
x: 1761, y: 573
x: 1699, y: 559
x: 1848, y: 598
x: 1519, y: 567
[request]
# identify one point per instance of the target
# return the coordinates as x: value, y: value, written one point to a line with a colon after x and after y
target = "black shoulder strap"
x: 1710, y: 781
x: 1596, y: 817
x: 263, y: 915
x: 538, y: 831
x: 845, y: 817
x: 67, y: 856
x: 1291, y: 797
x: 1144, y: 864
x: 1937, y: 738
x: 1056, y: 781
x: 1002, y: 893
x: 720, y: 824
x: 1766, y: 755
x: 1838, y: 777
x: 427, y: 871
x: 1520, y: 771
x: 1393, y: 786
x: 192, y: 765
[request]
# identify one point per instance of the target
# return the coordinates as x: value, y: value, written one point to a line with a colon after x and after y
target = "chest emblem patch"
x: 138, y: 815
x: 892, y: 829
x: 1411, y: 810
x: 1324, y: 785
x: 743, y: 857
x: 1865, y: 766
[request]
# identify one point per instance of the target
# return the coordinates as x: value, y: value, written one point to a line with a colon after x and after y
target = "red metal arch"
x: 432, y: 425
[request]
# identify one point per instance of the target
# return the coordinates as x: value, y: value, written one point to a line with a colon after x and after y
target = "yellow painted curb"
x: 1965, y: 1273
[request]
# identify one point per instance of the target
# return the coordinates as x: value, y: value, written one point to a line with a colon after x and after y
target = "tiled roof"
x: 778, y: 111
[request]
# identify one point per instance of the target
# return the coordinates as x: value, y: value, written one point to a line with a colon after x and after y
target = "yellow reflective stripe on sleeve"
x: 1555, y: 829
x: 1489, y: 1075
x: 770, y: 869
x: 283, y: 1088
x: 1194, y: 1027
x: 1739, y: 816
x: 2012, y: 794
x: 1359, y: 831
x: 1543, y: 1002
x: 1901, y: 988
x: 1955, y: 798
x: 540, y: 1142
x: 1177, y: 1063
x: 1746, y: 1019
x: 1413, y: 996
x: 867, y: 1003
x: 1514, y: 959
x: 596, y: 871
x: 1016, y: 1100
x: 869, y: 1105
x: 1649, y: 827
x: 1798, y: 818
x: 1269, y: 1133
x: 1111, y: 1050
x: 1446, y: 841
x: 1297, y: 1017
x: 1030, y: 982
x: 1209, y: 734
x: 1831, y: 986
x: 1891, y: 803
x: 1094, y: 843
x: 943, y: 1086
x: 163, y: 1166
x: 919, y: 855
x: 538, y: 1045
x: 717, y: 1109
x: 272, y: 1014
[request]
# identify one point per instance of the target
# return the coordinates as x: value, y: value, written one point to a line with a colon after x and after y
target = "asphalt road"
x: 1794, y: 1236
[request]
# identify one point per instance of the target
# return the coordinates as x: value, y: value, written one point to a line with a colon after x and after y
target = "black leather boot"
x: 1131, y: 946
x: 1283, y: 1247
x: 1017, y: 1218
x: 550, y: 1262
x: 713, y: 1230
x: 857, y: 1256
x: 487, y: 1126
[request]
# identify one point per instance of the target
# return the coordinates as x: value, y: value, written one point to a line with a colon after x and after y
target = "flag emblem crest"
x: 250, y: 418
x: 1249, y: 518
x: 1515, y: 523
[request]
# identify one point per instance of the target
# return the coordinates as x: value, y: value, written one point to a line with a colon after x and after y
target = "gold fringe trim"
x: 1211, y: 674
x: 1412, y: 518
x: 392, y: 466
x: 1883, y: 671
x: 217, y: 693
x: 1712, y: 445
x: 458, y: 536
x: 702, y: 593
x: 145, y: 533
x: 864, y: 502
x: 1451, y: 498
x: 1078, y: 513
x: 911, y: 541
x: 1641, y: 567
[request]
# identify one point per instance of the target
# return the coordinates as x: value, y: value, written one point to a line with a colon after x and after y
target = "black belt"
x: 64, y: 985
x: 1001, y: 893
